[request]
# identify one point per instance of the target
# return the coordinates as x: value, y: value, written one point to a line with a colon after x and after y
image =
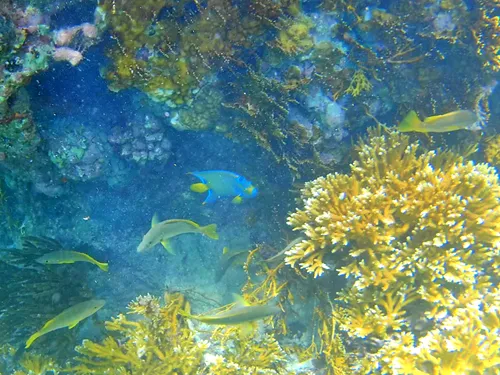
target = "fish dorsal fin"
x: 240, y: 301
x: 154, y: 220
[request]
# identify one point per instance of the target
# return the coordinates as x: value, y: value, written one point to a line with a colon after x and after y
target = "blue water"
x: 280, y: 118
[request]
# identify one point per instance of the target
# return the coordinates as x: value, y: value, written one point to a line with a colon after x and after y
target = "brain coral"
x: 417, y: 233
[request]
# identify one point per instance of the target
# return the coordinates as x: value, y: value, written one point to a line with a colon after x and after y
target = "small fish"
x: 241, y: 313
x: 282, y: 253
x: 221, y: 184
x: 68, y: 318
x: 162, y: 232
x: 69, y: 257
x: 230, y: 258
x: 438, y: 124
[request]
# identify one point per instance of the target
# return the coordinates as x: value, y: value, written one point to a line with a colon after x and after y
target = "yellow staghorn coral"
x: 14, y: 363
x: 161, y: 341
x: 492, y: 150
x: 418, y: 236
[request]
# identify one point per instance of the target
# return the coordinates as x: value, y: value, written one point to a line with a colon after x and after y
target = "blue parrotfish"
x: 221, y: 184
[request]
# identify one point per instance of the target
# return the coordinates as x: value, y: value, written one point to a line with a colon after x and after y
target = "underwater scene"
x: 254, y: 187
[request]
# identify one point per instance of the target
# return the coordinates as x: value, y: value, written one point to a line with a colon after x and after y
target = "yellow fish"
x: 241, y: 313
x: 68, y: 257
x: 68, y: 318
x: 162, y: 232
x: 438, y: 124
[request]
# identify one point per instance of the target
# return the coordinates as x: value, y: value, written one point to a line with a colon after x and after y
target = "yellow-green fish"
x: 438, y: 124
x: 229, y: 259
x: 162, y: 232
x: 68, y: 318
x: 68, y: 257
x: 241, y: 313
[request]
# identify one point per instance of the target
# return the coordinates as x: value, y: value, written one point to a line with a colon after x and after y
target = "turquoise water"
x: 105, y: 111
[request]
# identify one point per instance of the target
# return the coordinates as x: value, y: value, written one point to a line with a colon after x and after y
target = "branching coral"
x: 419, y: 236
x: 26, y: 364
x: 162, y: 341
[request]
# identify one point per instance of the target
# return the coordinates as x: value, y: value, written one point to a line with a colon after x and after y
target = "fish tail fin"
x: 199, y: 187
x: 410, y: 123
x: 32, y: 338
x: 103, y: 266
x: 210, y: 231
x: 237, y: 200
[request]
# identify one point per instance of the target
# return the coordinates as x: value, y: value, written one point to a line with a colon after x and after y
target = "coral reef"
x: 24, y: 51
x: 27, y: 363
x: 409, y: 61
x: 169, y: 58
x: 142, y: 140
x: 80, y: 155
x: 417, y: 234
x: 204, y: 114
x: 261, y: 109
x: 162, y: 341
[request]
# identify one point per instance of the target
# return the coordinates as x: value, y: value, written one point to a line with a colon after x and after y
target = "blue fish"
x: 223, y: 184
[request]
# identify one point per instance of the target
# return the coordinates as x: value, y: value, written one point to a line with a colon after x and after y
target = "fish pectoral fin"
x: 246, y: 329
x: 237, y: 200
x: 199, y: 187
x: 168, y: 246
